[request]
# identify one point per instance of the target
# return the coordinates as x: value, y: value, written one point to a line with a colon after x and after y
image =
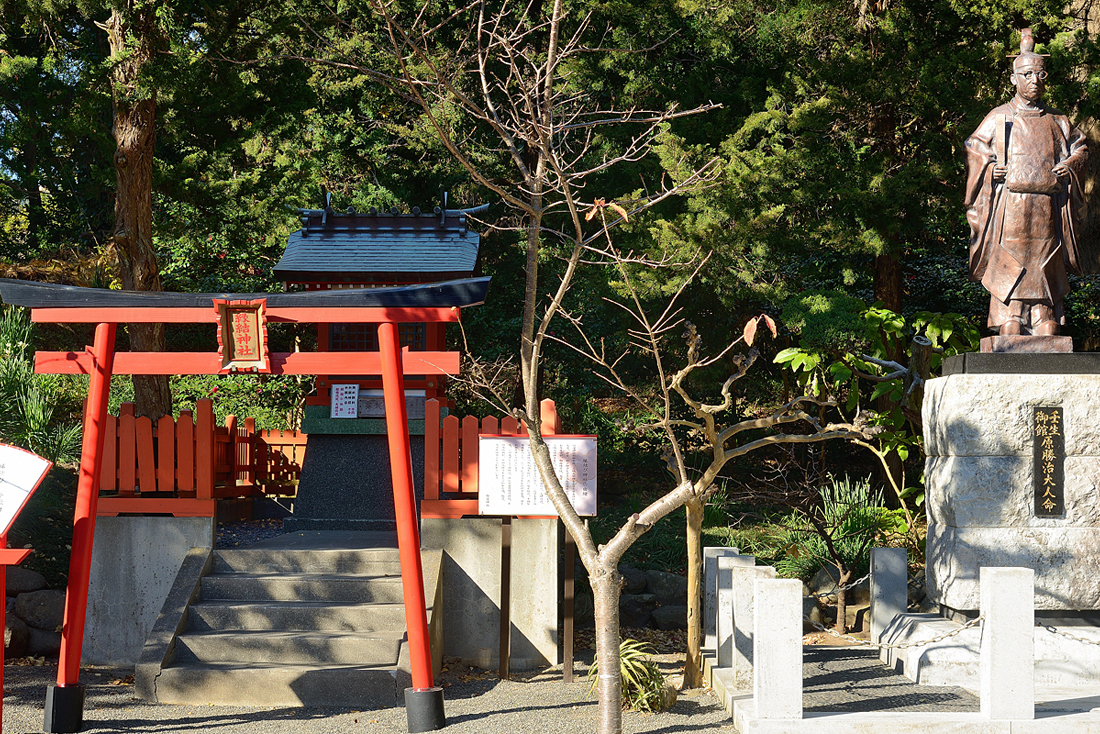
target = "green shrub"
x: 36, y: 413
x: 275, y: 401
x: 851, y: 513
x: 643, y: 684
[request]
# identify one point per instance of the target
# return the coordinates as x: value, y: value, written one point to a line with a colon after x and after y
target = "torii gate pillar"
x: 65, y: 701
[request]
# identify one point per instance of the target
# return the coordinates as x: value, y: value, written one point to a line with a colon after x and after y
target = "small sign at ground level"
x: 509, y: 482
x: 20, y: 474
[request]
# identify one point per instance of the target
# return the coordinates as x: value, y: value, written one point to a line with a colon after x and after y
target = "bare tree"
x: 710, y: 432
x: 510, y: 73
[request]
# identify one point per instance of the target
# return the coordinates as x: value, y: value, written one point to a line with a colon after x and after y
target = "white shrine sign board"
x: 345, y: 401
x: 20, y: 474
x: 509, y: 482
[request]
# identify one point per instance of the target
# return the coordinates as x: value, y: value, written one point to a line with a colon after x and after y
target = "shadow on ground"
x: 850, y: 679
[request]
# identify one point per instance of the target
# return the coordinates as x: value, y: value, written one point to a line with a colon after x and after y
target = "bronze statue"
x: 1025, y: 202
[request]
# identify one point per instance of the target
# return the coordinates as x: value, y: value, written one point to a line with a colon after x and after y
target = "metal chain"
x: 895, y: 646
x: 1055, y: 631
x: 846, y: 587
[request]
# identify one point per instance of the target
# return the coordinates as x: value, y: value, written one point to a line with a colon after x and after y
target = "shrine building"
x: 345, y: 476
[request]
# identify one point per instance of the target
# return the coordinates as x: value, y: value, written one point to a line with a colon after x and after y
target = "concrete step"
x: 359, y: 562
x: 233, y: 615
x: 301, y: 587
x: 286, y: 647
x: 267, y: 684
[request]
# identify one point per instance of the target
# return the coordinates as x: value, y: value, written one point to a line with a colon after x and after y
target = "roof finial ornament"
x: 326, y: 204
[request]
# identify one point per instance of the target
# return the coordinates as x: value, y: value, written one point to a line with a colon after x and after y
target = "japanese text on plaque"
x: 1049, y: 463
x: 509, y: 483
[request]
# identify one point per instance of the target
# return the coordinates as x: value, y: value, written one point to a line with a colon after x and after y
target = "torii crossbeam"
x: 387, y: 307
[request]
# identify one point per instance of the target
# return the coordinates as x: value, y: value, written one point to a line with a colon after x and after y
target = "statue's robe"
x: 1024, y: 231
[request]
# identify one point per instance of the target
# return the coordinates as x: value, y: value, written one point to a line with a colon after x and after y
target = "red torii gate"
x: 437, y: 302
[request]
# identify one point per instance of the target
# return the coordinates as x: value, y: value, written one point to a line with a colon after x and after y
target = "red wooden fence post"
x: 431, y: 449
x: 204, y: 449
x: 246, y: 459
x: 424, y: 701
x: 65, y: 701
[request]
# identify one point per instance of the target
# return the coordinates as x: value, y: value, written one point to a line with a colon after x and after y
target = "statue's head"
x: 1029, y: 73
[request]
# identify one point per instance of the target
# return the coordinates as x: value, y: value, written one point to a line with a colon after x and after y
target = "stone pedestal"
x: 980, y: 478
x: 471, y: 589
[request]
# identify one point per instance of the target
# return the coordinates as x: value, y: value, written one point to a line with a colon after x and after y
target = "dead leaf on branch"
x: 602, y: 204
x: 750, y: 331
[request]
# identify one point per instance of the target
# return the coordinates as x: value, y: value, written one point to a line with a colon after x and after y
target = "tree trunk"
x: 32, y: 189
x: 693, y: 665
x: 888, y: 282
x: 842, y: 600
x: 609, y: 684
x: 135, y: 137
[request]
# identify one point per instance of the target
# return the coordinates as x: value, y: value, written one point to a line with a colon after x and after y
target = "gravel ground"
x: 852, y: 679
x: 240, y: 534
x: 476, y: 702
x: 835, y: 679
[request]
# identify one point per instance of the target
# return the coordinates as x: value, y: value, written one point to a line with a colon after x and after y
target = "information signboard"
x: 20, y: 474
x: 509, y: 482
x: 345, y: 401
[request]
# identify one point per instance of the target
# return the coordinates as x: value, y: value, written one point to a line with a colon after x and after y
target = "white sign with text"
x: 20, y: 474
x: 509, y: 483
x: 345, y: 401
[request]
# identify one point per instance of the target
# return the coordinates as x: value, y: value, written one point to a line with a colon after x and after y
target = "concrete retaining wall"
x: 134, y: 563
x: 471, y: 589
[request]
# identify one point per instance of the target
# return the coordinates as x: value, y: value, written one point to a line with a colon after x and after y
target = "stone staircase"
x: 304, y: 624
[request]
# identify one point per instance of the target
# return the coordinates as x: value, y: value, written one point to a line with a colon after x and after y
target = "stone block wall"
x: 979, y: 478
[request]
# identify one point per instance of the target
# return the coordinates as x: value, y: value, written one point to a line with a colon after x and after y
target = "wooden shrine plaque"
x: 20, y: 474
x: 509, y: 482
x: 242, y: 336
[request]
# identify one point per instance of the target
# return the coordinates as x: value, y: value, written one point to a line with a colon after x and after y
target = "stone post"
x: 744, y: 606
x: 777, y: 642
x: 724, y: 623
x: 711, y: 555
x: 1008, y: 643
x: 889, y: 590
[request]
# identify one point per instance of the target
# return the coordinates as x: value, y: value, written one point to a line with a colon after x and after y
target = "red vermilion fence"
x: 181, y: 467
x: 452, y: 468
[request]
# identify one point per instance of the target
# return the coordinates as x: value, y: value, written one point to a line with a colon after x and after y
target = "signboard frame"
x: 233, y: 317
x: 4, y: 482
x: 492, y: 500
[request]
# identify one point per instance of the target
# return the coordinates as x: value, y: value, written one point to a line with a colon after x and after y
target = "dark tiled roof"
x: 336, y: 247
x: 461, y: 293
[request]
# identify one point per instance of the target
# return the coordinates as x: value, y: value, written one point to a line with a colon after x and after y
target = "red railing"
x: 181, y: 467
x: 451, y: 455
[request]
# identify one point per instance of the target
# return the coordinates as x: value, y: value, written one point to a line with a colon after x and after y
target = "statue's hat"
x: 1027, y: 56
